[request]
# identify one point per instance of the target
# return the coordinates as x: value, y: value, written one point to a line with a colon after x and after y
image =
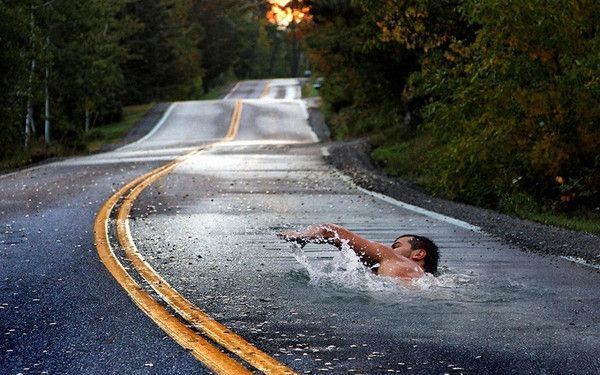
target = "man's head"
x: 418, y: 248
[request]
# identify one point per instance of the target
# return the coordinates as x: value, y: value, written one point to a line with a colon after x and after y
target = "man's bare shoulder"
x: 400, y: 267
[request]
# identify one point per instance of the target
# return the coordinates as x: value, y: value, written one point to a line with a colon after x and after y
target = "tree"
x: 163, y: 56
x: 523, y: 98
x: 14, y: 64
x: 74, y: 64
x: 85, y: 40
x: 365, y: 76
x: 287, y: 15
x: 497, y: 86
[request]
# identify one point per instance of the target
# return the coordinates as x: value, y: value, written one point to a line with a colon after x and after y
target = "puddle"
x: 344, y: 276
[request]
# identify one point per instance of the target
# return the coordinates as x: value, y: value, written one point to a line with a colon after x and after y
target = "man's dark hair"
x: 431, y: 250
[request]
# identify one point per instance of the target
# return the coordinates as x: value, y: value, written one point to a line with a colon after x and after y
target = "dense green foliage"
x: 85, y: 60
x: 494, y: 103
x: 114, y: 133
x: 13, y: 65
x: 164, y: 60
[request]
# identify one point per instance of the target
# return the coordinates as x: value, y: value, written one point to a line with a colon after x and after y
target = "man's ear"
x: 419, y: 254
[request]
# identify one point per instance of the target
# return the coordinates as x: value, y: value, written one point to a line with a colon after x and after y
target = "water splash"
x: 344, y: 277
x: 347, y: 272
x: 344, y: 270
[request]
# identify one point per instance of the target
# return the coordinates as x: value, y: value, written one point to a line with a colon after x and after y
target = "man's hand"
x: 293, y: 236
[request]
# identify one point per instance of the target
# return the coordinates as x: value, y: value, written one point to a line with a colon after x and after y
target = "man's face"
x: 403, y: 247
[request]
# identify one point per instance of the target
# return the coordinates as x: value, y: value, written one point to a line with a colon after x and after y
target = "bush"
x: 518, y: 103
x: 504, y: 93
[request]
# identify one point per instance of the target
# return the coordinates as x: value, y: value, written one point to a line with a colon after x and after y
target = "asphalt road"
x: 208, y: 228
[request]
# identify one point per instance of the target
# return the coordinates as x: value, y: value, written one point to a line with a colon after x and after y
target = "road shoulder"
x: 141, y: 127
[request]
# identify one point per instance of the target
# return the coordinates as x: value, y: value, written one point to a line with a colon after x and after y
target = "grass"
x: 308, y: 90
x: 114, y: 133
x: 216, y: 92
x: 404, y: 160
x: 21, y: 159
x: 580, y: 221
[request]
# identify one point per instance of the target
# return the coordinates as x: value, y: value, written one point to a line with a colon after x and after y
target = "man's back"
x: 404, y: 259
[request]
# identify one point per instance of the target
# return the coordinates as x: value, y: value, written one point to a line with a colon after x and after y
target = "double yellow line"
x: 180, y: 331
x: 234, y: 125
x: 266, y: 90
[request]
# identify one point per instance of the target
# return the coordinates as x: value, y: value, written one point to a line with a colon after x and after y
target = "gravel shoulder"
x: 353, y: 159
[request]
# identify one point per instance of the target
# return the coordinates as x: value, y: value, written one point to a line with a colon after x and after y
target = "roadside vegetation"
x: 309, y: 90
x: 489, y: 103
x: 92, y: 141
x: 217, y: 91
x: 71, y: 71
x: 113, y: 133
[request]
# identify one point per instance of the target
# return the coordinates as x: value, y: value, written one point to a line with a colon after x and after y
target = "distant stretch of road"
x: 161, y: 257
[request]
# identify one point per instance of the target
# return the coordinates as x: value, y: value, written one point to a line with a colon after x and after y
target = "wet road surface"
x: 209, y: 229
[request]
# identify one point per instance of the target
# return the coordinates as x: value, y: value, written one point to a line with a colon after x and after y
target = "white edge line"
x: 580, y: 261
x: 291, y: 92
x: 27, y: 169
x: 266, y: 93
x: 155, y: 128
x: 410, y: 207
x: 232, y: 90
x: 302, y: 104
x: 444, y: 218
x: 304, y: 110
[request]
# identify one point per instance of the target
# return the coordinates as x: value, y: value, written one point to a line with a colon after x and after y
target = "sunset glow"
x: 284, y: 12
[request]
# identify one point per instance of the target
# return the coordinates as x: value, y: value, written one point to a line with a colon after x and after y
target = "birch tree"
x: 86, y: 43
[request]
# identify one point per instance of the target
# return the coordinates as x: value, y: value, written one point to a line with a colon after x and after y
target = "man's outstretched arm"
x: 370, y: 252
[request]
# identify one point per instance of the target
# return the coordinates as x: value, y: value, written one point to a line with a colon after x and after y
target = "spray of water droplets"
x: 346, y: 271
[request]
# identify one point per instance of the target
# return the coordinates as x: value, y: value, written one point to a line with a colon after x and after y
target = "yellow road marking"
x: 213, y: 329
x: 265, y: 90
x: 234, y: 125
x: 212, y: 357
x: 202, y: 349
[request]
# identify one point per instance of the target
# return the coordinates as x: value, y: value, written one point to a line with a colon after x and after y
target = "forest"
x: 69, y: 67
x: 494, y: 103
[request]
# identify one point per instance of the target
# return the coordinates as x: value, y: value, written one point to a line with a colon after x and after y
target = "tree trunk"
x: 273, y: 59
x: 87, y: 120
x: 47, y: 111
x: 29, y: 122
x: 295, y: 51
x: 29, y: 125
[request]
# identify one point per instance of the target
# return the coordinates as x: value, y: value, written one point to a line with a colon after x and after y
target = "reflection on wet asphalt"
x: 209, y: 228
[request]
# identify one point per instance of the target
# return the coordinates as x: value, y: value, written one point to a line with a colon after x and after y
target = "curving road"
x: 208, y: 229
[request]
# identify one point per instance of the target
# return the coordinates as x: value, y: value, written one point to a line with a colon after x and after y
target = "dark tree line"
x: 490, y: 102
x: 68, y: 66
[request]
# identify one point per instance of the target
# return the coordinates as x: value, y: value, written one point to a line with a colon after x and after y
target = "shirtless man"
x: 409, y: 256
